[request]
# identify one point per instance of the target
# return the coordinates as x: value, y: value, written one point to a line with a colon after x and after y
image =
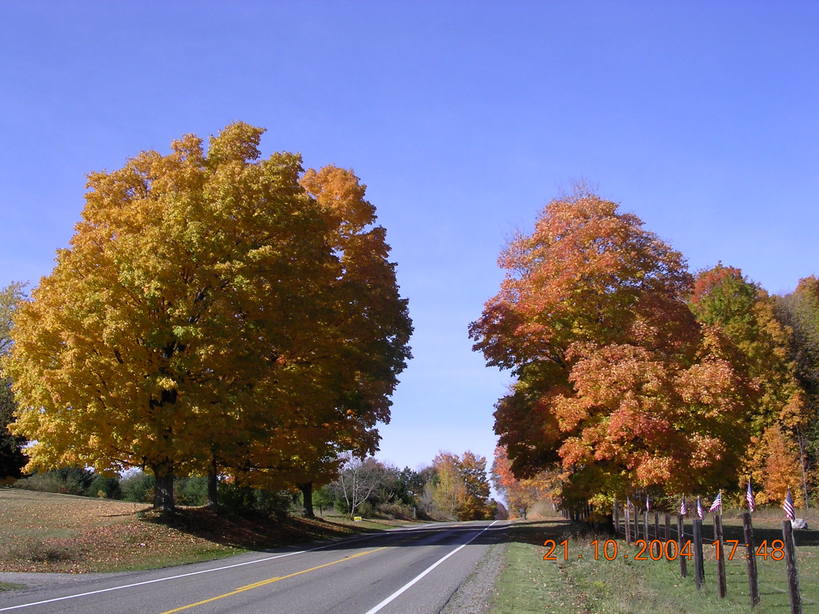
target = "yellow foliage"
x: 210, y: 307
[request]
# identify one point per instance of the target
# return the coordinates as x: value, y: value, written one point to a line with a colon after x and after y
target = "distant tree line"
x: 451, y: 488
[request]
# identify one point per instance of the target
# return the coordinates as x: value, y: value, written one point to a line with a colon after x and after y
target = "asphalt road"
x: 414, y: 570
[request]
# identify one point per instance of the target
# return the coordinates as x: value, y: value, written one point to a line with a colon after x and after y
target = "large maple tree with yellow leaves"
x: 214, y: 309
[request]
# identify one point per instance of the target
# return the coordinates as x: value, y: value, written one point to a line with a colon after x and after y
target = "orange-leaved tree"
x: 617, y: 385
x: 520, y: 494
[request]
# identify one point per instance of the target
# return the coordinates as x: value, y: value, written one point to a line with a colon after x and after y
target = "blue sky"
x: 463, y: 118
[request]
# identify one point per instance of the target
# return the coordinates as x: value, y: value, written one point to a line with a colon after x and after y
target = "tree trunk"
x: 163, y: 492
x: 213, y: 483
x: 802, y: 462
x: 307, y: 495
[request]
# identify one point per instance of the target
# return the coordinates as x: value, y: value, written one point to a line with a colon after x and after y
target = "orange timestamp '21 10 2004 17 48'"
x: 669, y: 549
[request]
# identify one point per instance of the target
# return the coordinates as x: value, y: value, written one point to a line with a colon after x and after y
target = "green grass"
x: 582, y: 584
x: 772, y: 574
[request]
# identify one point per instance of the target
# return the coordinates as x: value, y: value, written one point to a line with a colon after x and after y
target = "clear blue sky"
x: 464, y: 119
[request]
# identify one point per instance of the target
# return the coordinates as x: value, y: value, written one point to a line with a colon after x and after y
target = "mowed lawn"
x: 52, y: 532
x: 583, y: 584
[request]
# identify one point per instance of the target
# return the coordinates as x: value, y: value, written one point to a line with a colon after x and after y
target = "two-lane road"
x: 408, y: 570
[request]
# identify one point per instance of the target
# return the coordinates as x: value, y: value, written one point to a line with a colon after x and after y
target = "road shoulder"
x: 474, y: 595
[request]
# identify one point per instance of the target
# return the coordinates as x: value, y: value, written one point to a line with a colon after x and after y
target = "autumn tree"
x: 460, y: 488
x: 777, y: 409
x: 448, y: 490
x: 368, y: 329
x: 746, y: 314
x: 12, y: 458
x: 617, y: 385
x: 476, y: 504
x: 799, y: 311
x: 520, y: 494
x: 195, y: 320
x: 774, y: 465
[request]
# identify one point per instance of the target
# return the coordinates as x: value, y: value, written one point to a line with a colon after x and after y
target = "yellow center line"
x: 248, y: 587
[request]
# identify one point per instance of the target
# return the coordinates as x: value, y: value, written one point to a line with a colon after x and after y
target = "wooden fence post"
x: 753, y: 581
x: 635, y: 532
x: 723, y: 588
x: 667, y: 526
x: 680, y: 544
x: 793, y: 574
x: 615, y: 513
x: 645, y: 526
x: 657, y: 531
x: 699, y: 567
x: 627, y: 513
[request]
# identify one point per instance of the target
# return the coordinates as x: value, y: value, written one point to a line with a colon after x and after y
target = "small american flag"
x: 716, y: 506
x: 648, y: 504
x: 683, y: 508
x: 749, y: 497
x: 700, y: 511
x: 787, y: 505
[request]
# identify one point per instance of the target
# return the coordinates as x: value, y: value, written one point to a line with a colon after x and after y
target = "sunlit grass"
x: 583, y: 584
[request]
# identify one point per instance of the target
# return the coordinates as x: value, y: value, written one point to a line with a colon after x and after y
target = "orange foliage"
x: 707, y: 280
x: 617, y: 384
x: 776, y: 463
x: 521, y: 494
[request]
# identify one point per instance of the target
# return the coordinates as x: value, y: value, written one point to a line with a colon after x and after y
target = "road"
x: 413, y: 570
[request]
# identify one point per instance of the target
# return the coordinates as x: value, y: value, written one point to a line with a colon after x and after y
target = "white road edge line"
x: 425, y: 572
x: 192, y: 573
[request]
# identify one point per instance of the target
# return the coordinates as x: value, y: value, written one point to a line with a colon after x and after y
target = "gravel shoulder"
x: 475, y: 595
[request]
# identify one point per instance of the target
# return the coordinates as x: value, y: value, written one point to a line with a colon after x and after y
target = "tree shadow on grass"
x: 250, y: 531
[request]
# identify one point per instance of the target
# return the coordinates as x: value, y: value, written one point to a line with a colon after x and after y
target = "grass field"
x: 583, y: 584
x: 51, y: 532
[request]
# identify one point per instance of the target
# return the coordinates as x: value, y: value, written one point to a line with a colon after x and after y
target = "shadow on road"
x: 264, y: 534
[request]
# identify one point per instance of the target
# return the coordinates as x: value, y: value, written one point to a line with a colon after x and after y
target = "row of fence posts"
x: 631, y: 531
x: 580, y: 511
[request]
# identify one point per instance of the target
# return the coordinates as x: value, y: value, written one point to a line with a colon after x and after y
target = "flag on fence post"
x: 749, y: 497
x: 683, y: 507
x: 648, y: 504
x: 700, y: 511
x: 787, y: 505
x: 716, y: 506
